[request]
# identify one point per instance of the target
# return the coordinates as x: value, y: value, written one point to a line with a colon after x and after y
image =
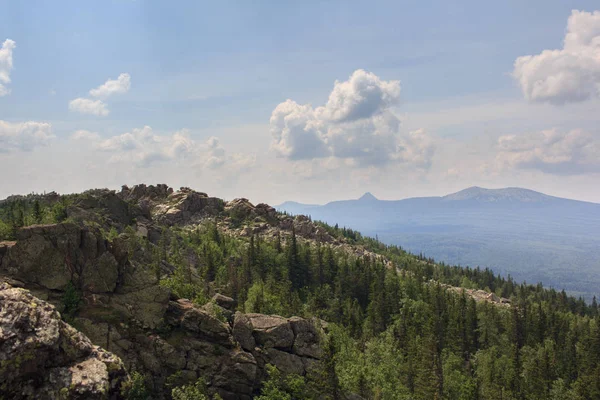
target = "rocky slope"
x: 124, y: 309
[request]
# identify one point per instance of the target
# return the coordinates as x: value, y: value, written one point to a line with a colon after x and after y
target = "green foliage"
x: 6, y: 231
x: 280, y: 387
x: 37, y: 212
x: 112, y: 234
x: 71, y: 300
x: 269, y: 298
x: 136, y: 388
x: 59, y: 211
x: 196, y: 391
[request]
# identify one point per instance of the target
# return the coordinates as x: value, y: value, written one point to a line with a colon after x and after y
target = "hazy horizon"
x: 284, y: 102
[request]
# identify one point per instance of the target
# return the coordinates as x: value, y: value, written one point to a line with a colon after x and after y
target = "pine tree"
x: 37, y: 212
x: 296, y: 274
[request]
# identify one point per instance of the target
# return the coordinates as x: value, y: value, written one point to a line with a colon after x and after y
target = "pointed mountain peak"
x: 367, y: 197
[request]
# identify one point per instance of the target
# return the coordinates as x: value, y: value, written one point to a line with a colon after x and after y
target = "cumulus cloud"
x: 416, y: 148
x: 87, y: 106
x: 98, y: 107
x: 144, y: 148
x: 216, y: 153
x: 363, y: 95
x: 356, y: 124
x: 141, y: 146
x: 570, y: 74
x: 112, y: 86
x: 297, y: 132
x: 24, y: 136
x: 6, y: 65
x: 552, y: 151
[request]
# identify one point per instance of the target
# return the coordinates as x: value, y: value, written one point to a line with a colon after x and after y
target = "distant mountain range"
x: 529, y: 235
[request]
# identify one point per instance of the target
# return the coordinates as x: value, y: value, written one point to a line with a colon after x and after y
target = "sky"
x: 306, y: 101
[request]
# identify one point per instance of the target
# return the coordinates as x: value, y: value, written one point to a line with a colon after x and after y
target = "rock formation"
x: 42, y: 357
x: 126, y: 311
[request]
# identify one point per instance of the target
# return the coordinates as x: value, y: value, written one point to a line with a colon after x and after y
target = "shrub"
x: 71, y: 300
x: 136, y: 388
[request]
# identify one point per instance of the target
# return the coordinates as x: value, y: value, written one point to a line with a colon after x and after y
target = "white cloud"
x: 551, y: 151
x: 363, y: 95
x: 98, y: 107
x: 356, y: 124
x: 24, y: 136
x: 112, y: 86
x: 417, y: 149
x: 87, y: 106
x: 143, y: 147
x: 297, y: 132
x: 216, y: 153
x: 6, y: 65
x: 140, y: 145
x: 82, y: 134
x: 571, y: 74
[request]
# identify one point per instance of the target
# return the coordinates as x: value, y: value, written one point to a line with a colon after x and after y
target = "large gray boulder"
x: 42, y: 357
x: 271, y: 331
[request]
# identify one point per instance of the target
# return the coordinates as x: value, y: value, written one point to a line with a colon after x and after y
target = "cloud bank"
x: 567, y: 75
x: 24, y: 136
x: 551, y: 151
x: 355, y: 124
x: 144, y: 148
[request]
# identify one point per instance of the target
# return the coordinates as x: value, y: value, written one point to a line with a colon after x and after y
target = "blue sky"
x: 221, y: 69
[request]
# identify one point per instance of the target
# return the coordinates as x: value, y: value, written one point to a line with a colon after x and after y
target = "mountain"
x: 156, y: 293
x: 498, y: 195
x: 529, y: 235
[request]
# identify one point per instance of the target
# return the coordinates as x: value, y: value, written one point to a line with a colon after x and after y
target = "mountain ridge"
x: 528, y: 234
x: 511, y: 193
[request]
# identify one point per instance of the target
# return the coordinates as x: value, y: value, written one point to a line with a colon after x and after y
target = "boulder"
x: 307, y: 337
x: 271, y: 331
x: 186, y: 206
x: 185, y: 314
x: 226, y: 302
x: 242, y: 331
x: 285, y: 362
x: 43, y: 357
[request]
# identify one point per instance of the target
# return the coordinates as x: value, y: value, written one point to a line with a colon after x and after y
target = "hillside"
x: 203, y: 298
x: 529, y: 235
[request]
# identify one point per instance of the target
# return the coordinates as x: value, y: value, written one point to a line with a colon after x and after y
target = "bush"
x: 6, y: 231
x: 71, y: 300
x: 197, y: 391
x: 59, y: 211
x: 136, y: 388
x: 279, y: 387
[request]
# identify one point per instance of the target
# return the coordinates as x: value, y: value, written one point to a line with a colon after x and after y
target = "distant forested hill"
x: 529, y: 235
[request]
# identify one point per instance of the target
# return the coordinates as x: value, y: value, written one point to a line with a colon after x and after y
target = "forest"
x: 395, y: 331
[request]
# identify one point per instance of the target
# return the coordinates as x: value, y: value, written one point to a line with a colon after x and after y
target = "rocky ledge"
x: 42, y: 357
x: 125, y: 309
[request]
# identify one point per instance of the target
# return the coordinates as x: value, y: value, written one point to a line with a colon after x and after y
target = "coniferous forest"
x: 395, y: 329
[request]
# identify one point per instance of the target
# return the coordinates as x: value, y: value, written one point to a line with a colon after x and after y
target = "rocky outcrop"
x: 51, y: 256
x: 42, y: 357
x: 104, y: 207
x: 48, y: 258
x: 480, y: 295
x: 292, y: 344
x: 125, y: 310
x: 186, y: 206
